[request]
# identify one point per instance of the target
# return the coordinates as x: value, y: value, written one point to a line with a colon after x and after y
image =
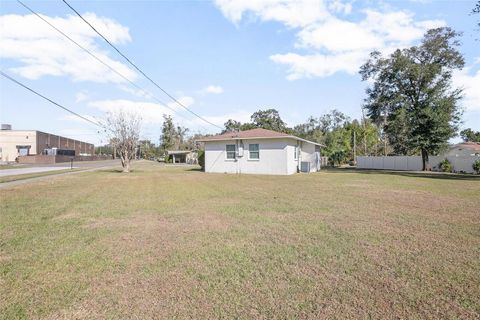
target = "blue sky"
x: 224, y: 59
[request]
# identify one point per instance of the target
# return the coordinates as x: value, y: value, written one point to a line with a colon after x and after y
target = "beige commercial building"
x: 15, y: 143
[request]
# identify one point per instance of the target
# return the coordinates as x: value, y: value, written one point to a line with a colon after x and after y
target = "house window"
x: 230, y: 151
x: 254, y: 151
x: 295, y: 153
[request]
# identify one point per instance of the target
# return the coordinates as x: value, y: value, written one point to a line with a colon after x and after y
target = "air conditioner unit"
x: 305, y: 166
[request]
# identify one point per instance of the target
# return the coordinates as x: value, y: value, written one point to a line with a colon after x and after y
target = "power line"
x: 138, y: 69
x: 50, y: 100
x: 144, y: 91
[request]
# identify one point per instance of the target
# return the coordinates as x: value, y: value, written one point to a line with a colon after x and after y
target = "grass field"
x: 172, y: 242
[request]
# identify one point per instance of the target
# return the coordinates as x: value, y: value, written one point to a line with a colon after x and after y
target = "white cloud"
x: 212, y: 89
x: 397, y: 27
x: 96, y: 137
x: 185, y: 100
x: 289, y: 12
x: 340, y: 6
x: 197, y: 125
x: 81, y: 96
x: 334, y: 44
x: 470, y: 82
x: 74, y: 118
x: 135, y: 92
x: 338, y: 35
x: 241, y: 115
x: 41, y: 51
x: 151, y: 113
x: 421, y: 1
x: 318, y: 65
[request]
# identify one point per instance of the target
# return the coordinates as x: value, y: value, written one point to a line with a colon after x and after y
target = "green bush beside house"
x: 201, y: 159
x: 446, y: 166
x: 476, y: 166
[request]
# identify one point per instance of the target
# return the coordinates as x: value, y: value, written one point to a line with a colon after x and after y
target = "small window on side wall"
x: 230, y: 151
x: 254, y: 151
x: 295, y: 153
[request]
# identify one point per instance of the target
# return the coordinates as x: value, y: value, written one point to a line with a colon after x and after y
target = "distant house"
x: 260, y: 151
x: 464, y: 149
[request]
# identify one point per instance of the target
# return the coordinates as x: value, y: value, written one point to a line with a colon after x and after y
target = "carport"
x: 178, y: 156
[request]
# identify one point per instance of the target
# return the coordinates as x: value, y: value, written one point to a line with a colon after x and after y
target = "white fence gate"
x: 414, y: 163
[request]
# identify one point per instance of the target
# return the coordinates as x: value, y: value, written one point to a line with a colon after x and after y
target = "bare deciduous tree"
x: 125, y: 131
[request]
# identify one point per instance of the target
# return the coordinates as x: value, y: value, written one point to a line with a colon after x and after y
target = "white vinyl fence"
x: 414, y: 163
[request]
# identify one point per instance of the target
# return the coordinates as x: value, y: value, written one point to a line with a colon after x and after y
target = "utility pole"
x: 364, y: 131
x: 354, y: 147
x: 384, y: 134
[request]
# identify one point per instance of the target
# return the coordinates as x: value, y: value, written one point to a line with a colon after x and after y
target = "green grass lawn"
x: 172, y: 242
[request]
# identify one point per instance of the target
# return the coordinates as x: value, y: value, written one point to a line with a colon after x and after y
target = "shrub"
x: 201, y: 159
x: 338, y: 157
x: 446, y: 166
x: 476, y: 166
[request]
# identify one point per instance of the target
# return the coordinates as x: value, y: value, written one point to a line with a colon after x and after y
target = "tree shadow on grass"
x: 119, y: 171
x: 411, y: 174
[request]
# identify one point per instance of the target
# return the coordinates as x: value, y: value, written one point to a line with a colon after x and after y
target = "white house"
x: 260, y: 151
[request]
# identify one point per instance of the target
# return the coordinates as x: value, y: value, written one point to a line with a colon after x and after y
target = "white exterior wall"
x: 9, y: 139
x: 292, y: 163
x: 307, y: 154
x: 276, y: 157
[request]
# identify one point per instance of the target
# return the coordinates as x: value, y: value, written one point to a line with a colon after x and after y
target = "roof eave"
x: 308, y: 141
x: 256, y: 138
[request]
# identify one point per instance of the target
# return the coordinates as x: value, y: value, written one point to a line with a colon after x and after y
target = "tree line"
x: 411, y: 108
x: 341, y: 136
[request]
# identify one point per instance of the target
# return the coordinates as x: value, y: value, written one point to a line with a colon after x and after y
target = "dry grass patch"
x: 169, y: 242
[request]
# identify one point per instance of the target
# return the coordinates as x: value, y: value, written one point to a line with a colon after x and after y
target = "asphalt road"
x: 85, y: 165
x: 76, y: 164
x: 17, y: 171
